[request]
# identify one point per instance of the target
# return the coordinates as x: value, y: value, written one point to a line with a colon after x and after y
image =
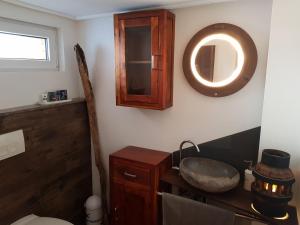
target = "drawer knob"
x: 129, y: 175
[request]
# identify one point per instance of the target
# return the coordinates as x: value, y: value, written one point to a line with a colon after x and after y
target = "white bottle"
x: 249, y: 178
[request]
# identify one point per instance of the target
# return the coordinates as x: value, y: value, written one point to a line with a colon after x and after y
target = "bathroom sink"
x: 209, y: 175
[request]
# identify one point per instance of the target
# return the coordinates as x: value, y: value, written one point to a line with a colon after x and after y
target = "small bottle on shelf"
x: 248, y: 178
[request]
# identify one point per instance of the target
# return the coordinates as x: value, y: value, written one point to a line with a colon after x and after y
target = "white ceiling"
x: 84, y: 9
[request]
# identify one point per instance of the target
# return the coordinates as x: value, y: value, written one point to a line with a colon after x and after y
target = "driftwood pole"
x: 90, y: 100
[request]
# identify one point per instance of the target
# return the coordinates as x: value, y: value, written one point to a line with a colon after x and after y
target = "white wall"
x: 24, y: 87
x: 193, y: 116
x: 281, y: 111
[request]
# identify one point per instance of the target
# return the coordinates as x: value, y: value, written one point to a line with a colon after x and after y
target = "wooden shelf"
x: 237, y: 200
x: 29, y: 108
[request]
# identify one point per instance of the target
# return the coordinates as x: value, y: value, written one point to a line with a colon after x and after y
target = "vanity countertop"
x: 238, y: 200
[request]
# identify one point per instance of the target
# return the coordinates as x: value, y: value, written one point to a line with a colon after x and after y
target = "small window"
x: 22, y: 47
x: 27, y: 46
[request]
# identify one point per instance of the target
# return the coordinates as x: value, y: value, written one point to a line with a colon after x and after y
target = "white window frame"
x: 35, y: 30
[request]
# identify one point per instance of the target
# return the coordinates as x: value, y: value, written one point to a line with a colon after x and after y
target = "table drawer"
x: 128, y: 171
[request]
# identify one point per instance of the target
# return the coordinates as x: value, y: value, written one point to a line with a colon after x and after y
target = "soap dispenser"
x: 248, y: 178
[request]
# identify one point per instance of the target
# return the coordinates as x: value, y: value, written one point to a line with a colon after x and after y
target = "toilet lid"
x: 35, y: 220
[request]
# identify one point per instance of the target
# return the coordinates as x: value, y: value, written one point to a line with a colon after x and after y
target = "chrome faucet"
x: 180, y: 150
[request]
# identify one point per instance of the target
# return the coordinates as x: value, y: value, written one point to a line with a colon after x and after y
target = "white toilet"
x: 36, y: 220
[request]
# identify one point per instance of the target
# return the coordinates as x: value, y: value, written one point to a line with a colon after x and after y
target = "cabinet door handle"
x: 116, y: 212
x: 152, y: 62
x: 129, y: 175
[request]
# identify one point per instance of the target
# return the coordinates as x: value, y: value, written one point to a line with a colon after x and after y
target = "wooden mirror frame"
x: 249, y: 67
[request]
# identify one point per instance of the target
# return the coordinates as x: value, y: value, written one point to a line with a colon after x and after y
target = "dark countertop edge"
x: 29, y: 108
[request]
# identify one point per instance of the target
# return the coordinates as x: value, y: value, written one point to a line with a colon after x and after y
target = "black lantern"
x: 272, y: 189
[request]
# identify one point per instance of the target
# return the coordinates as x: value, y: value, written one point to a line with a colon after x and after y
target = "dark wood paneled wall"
x: 53, y: 177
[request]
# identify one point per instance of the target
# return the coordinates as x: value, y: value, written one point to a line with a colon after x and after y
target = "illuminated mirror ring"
x: 233, y: 80
x: 240, y: 59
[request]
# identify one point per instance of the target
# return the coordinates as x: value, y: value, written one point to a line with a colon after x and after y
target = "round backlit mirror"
x: 219, y: 60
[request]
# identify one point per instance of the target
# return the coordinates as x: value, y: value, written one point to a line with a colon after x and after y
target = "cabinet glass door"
x: 138, y: 60
x: 139, y: 46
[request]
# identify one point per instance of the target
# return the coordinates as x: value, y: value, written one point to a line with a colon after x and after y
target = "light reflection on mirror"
x: 217, y: 60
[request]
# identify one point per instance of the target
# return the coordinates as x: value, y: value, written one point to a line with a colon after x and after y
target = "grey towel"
x: 182, y: 211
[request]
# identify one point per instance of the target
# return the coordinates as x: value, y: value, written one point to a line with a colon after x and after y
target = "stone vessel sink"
x: 209, y: 175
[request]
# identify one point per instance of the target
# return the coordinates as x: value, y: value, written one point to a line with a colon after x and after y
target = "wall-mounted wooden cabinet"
x: 144, y: 50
